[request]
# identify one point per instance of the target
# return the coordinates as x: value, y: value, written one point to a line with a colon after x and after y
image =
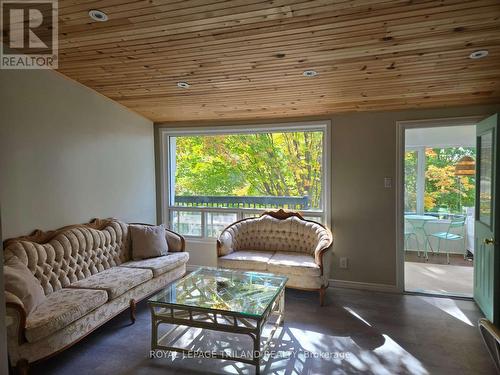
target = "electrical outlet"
x: 343, y: 262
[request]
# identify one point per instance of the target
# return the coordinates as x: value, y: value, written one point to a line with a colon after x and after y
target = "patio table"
x: 418, y: 223
x: 425, y: 224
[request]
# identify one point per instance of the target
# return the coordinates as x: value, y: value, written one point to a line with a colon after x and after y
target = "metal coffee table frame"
x: 217, y: 320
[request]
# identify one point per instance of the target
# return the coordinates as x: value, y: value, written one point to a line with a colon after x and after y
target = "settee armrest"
x: 320, y: 258
x: 323, y: 251
x: 225, y: 244
x: 15, y: 318
x: 176, y: 242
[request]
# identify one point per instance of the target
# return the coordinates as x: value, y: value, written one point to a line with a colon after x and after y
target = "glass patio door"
x: 487, y: 220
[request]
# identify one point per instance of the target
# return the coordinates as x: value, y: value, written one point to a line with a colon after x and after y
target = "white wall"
x: 68, y: 154
x: 202, y: 252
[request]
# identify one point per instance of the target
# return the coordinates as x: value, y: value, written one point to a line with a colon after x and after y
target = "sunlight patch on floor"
x: 356, y: 315
x: 450, y: 307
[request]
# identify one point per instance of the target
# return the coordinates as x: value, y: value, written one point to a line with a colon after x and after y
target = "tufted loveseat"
x: 88, y: 277
x: 281, y: 243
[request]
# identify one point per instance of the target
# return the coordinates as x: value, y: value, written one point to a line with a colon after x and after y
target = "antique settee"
x: 88, y: 276
x: 281, y: 243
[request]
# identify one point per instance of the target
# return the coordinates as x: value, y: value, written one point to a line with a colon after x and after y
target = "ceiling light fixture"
x: 98, y: 15
x: 183, y: 85
x: 310, y: 73
x: 478, y: 54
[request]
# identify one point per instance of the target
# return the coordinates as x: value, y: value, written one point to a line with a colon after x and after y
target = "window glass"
x: 217, y: 221
x: 445, y: 191
x: 411, y: 170
x: 261, y: 170
x: 187, y: 223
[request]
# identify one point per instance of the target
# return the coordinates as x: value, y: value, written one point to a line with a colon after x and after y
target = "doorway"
x: 436, y: 210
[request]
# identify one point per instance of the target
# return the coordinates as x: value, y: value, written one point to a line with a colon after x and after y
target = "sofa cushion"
x: 60, y: 309
x: 115, y: 281
x: 159, y: 265
x: 246, y: 259
x: 20, y: 281
x: 292, y: 263
x: 148, y: 241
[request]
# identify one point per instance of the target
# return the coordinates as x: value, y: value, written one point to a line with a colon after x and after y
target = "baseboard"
x: 340, y: 283
x: 364, y: 286
x: 192, y: 267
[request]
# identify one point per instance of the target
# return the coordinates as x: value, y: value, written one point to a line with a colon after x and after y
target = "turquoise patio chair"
x: 455, y: 232
x: 409, y: 233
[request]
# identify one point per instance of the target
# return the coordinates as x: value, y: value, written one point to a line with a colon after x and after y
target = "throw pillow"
x: 20, y: 281
x: 148, y: 241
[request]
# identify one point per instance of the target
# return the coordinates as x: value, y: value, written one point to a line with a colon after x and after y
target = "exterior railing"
x: 300, y: 203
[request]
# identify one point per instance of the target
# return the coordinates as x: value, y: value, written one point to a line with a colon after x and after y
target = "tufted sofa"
x: 282, y: 243
x: 88, y: 277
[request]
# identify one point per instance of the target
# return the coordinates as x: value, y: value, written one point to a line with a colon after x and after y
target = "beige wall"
x: 68, y: 154
x: 363, y: 211
x: 3, y: 324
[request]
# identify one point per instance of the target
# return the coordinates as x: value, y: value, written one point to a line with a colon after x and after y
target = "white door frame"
x: 401, y: 127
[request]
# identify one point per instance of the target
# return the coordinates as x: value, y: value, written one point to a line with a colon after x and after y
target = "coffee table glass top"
x: 240, y: 292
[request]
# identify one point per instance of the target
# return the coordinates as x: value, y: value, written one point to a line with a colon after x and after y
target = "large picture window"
x: 213, y: 178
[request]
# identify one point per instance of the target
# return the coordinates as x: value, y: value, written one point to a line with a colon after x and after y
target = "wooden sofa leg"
x: 133, y: 308
x: 22, y: 367
x: 322, y: 291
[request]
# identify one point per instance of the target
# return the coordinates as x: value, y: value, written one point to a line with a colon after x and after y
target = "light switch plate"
x: 387, y: 182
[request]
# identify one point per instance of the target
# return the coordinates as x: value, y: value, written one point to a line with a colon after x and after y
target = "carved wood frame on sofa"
x: 16, y: 313
x: 260, y: 255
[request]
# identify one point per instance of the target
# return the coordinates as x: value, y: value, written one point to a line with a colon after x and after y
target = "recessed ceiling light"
x: 478, y: 54
x: 310, y: 73
x: 183, y: 85
x: 98, y: 15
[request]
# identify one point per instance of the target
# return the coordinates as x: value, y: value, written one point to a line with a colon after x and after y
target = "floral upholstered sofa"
x: 281, y: 243
x: 88, y: 276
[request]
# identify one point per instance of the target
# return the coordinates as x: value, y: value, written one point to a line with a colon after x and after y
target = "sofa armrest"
x: 15, y: 318
x: 176, y: 242
x: 225, y: 244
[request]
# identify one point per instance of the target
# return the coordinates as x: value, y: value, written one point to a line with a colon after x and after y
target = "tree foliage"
x: 443, y: 190
x: 262, y: 164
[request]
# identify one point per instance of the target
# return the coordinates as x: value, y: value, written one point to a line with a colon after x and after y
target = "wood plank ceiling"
x: 244, y: 59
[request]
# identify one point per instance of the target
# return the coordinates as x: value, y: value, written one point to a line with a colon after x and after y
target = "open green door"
x: 487, y: 224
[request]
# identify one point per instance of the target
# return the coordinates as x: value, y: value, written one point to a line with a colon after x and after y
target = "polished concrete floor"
x: 357, y: 332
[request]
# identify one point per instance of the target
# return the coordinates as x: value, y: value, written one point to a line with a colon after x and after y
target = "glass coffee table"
x: 222, y: 300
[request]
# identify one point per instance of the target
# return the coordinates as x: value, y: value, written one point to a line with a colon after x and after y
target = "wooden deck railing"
x: 297, y: 203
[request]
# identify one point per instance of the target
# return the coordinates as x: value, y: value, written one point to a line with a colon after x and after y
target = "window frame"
x: 166, y: 172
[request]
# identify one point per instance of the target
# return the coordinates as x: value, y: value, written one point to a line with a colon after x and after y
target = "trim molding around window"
x: 166, y: 171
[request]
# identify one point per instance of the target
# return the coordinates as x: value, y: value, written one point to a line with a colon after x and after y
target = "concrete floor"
x: 441, y: 279
x: 357, y: 332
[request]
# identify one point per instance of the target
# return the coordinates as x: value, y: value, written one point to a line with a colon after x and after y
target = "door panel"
x: 486, y: 258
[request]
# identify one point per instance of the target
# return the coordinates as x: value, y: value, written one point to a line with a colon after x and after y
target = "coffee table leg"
x: 154, y: 329
x: 256, y: 350
x: 282, y: 308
